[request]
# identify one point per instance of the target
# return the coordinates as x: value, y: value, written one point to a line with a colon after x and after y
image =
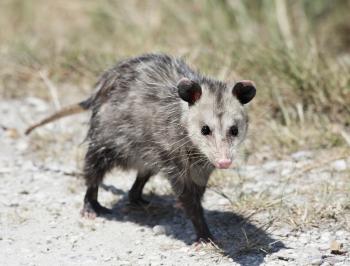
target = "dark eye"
x: 234, y: 131
x: 205, y: 130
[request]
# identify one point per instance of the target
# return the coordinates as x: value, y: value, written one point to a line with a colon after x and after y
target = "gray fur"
x: 139, y: 122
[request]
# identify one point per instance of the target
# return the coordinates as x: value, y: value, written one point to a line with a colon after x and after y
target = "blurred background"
x: 297, y: 52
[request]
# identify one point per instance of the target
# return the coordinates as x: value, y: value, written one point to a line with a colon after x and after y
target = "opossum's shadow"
x: 239, y: 239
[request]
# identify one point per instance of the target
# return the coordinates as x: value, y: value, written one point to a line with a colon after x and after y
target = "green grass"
x: 297, y: 52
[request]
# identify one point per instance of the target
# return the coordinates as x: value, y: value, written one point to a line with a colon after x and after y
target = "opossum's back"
x: 143, y: 88
x: 143, y: 99
x: 152, y: 76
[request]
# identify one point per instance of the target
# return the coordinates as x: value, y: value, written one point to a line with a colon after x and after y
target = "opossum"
x: 154, y: 113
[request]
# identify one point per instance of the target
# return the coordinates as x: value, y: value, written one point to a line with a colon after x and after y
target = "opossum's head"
x: 215, y: 117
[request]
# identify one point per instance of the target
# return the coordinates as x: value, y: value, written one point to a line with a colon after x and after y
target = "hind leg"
x: 97, y: 162
x: 135, y: 193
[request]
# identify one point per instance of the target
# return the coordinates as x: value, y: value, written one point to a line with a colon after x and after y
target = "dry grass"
x: 296, y: 51
x: 313, y: 196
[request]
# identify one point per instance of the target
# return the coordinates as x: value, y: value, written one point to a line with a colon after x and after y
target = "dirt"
x: 294, y: 211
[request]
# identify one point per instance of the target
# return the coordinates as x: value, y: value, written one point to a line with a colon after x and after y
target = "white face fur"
x: 217, y: 128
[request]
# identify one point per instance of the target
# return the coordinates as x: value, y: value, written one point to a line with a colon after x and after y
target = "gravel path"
x: 294, y: 211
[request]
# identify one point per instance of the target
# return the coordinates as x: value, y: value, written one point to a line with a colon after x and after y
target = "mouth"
x: 223, y: 164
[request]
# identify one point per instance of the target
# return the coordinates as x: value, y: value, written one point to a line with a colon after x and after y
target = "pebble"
x: 286, y: 171
x: 284, y: 231
x: 304, y: 240
x: 325, y: 236
x: 22, y: 146
x: 124, y: 263
x: 308, y: 256
x: 302, y: 155
x: 107, y: 259
x: 271, y: 166
x: 316, y: 261
x: 286, y: 254
x: 339, y: 165
x: 48, y: 240
x: 159, y: 230
x: 183, y: 249
x: 340, y: 264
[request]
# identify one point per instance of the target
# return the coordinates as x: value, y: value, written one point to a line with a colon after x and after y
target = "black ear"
x: 189, y: 90
x: 244, y: 91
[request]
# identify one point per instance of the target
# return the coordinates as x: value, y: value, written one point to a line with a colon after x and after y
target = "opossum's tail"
x: 65, y: 111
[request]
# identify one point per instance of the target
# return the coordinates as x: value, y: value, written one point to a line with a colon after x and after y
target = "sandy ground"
x: 41, y: 197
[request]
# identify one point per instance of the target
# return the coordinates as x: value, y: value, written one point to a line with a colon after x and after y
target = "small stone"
x: 340, y: 264
x: 324, y: 247
x: 107, y: 259
x: 24, y: 192
x: 312, y: 255
x: 325, y: 237
x: 124, y: 263
x: 141, y: 255
x: 159, y: 230
x: 285, y: 254
x: 340, y: 233
x: 154, y: 258
x: 283, y: 232
x: 270, y: 166
x: 339, y: 165
x: 22, y: 146
x: 183, y: 249
x: 316, y: 261
x: 286, y: 171
x: 12, y: 133
x: 336, y: 248
x: 303, y: 240
x: 301, y: 155
x: 73, y: 239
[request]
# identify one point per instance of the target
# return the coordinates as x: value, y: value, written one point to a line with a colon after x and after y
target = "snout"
x: 223, y: 163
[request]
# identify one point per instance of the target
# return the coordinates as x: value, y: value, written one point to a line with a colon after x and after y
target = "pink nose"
x: 223, y: 163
